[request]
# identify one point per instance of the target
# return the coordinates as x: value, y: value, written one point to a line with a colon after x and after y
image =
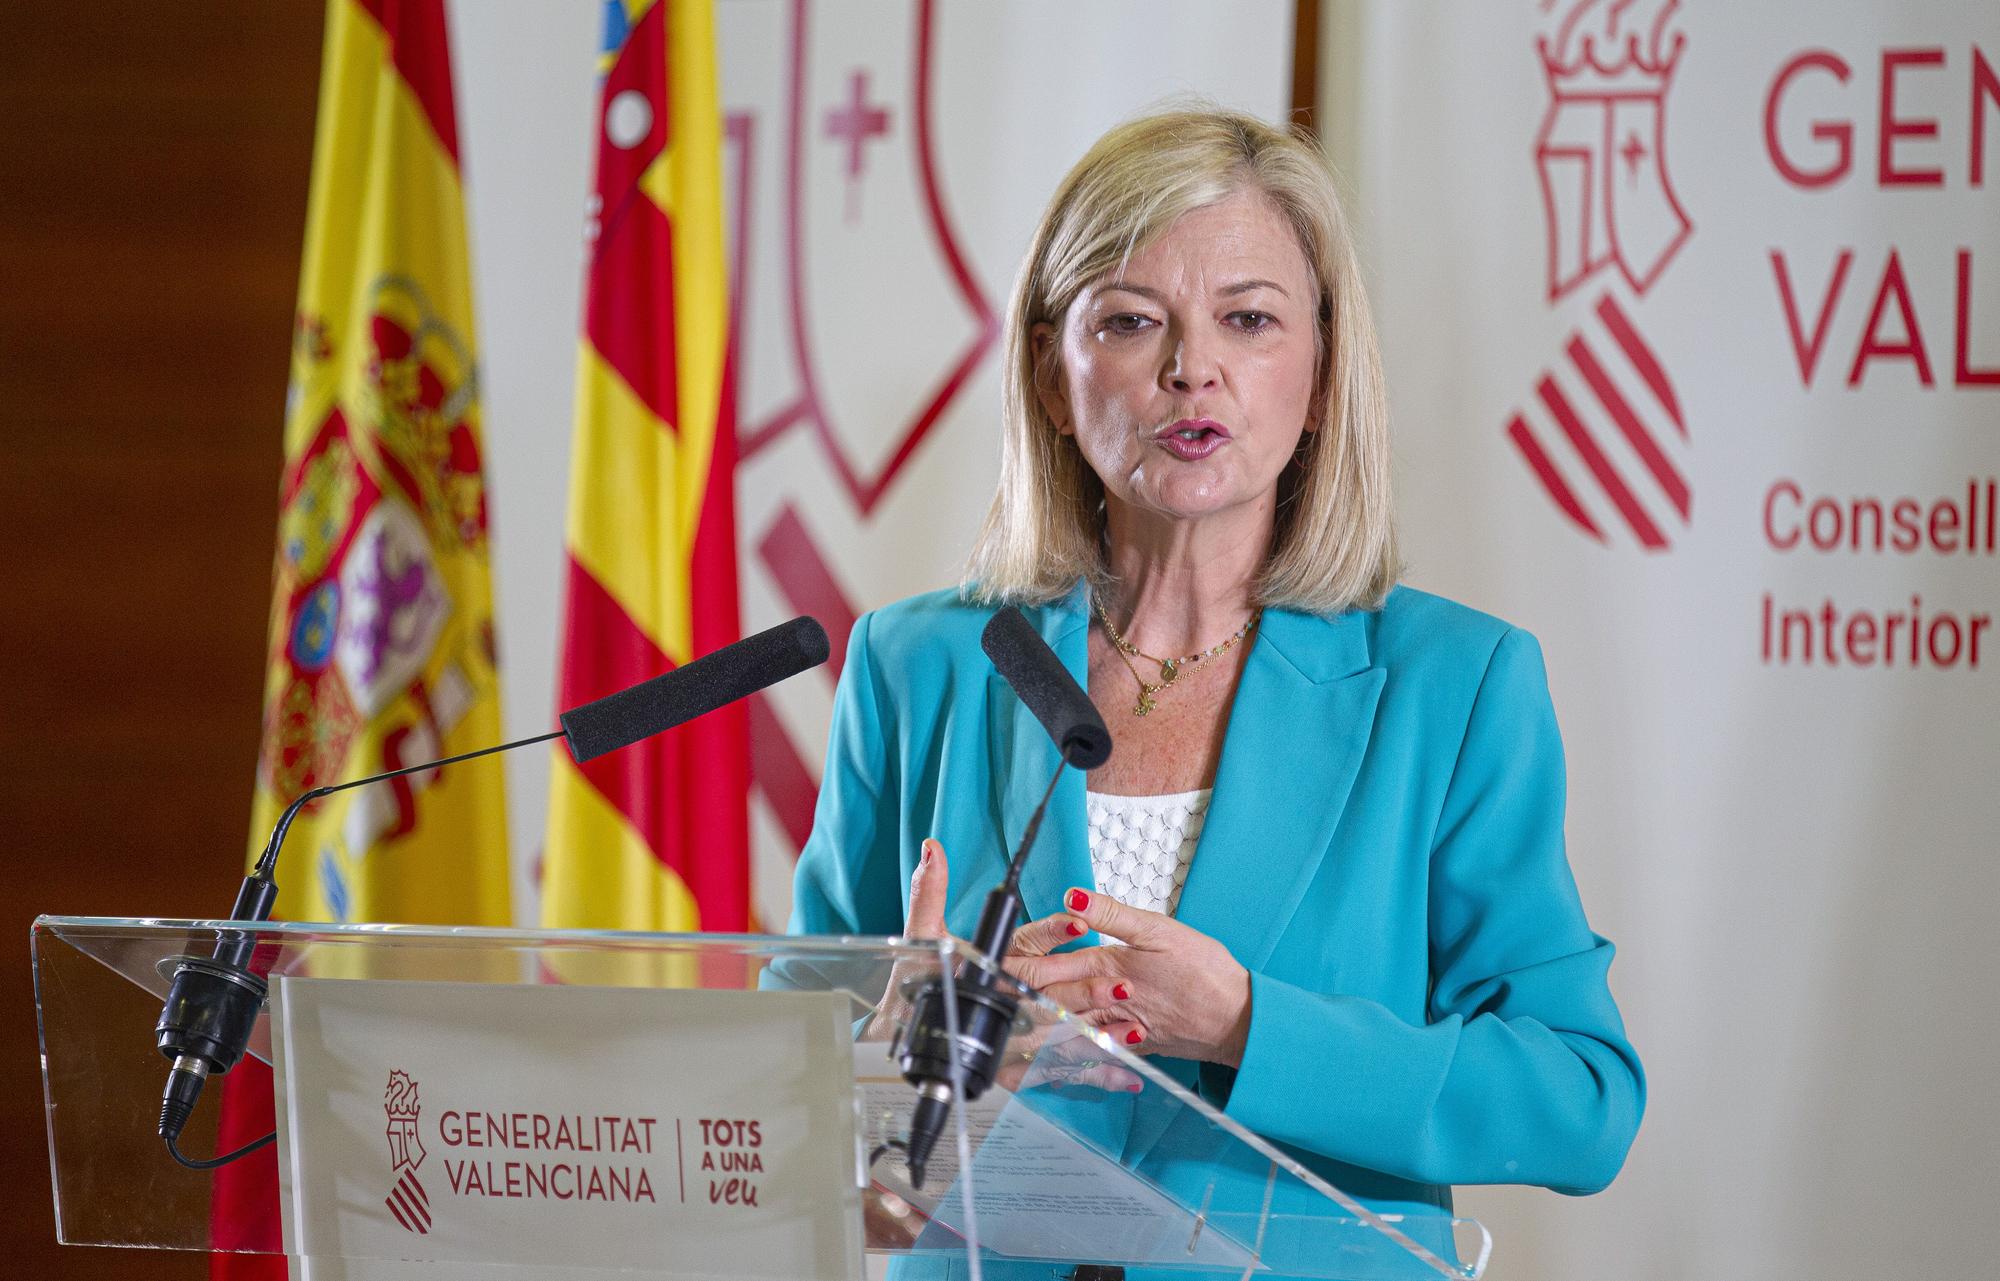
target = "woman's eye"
x: 1253, y: 321
x: 1125, y: 322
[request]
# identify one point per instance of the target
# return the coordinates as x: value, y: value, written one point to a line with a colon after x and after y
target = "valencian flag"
x: 655, y: 836
x: 381, y: 649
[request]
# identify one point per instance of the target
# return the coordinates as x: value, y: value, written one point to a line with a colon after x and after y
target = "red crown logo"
x: 1633, y: 65
x: 401, y: 1097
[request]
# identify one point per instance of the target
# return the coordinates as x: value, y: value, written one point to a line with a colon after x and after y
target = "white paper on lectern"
x: 565, y: 1127
x: 1040, y: 1192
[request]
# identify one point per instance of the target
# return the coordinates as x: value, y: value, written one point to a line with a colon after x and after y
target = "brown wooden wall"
x: 154, y: 160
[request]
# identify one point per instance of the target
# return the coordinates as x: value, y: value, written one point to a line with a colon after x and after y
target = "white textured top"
x: 1140, y: 846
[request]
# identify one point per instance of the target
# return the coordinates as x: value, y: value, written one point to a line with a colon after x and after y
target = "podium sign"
x: 579, y: 1128
x: 530, y: 1104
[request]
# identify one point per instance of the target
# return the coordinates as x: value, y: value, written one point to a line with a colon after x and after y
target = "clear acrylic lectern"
x: 1080, y: 1154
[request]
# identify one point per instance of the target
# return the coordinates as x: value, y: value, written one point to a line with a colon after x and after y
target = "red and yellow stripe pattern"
x: 654, y: 837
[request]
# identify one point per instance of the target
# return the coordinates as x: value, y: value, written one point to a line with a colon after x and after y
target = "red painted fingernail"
x: 1078, y: 901
x: 1074, y: 930
x: 1134, y: 1037
x: 1121, y: 993
x: 929, y: 849
x: 1134, y: 1088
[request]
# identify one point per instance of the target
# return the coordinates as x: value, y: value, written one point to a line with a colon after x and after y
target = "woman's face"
x: 1187, y: 378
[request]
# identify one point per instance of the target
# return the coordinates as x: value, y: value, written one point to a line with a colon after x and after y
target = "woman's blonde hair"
x: 1334, y: 546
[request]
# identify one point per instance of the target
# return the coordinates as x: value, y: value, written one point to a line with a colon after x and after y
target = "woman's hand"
x: 1101, y: 1000
x: 925, y: 920
x: 1094, y: 1001
x: 1179, y: 992
x: 1026, y: 1062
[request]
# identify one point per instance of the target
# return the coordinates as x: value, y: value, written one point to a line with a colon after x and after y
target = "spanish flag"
x: 381, y: 650
x: 656, y: 836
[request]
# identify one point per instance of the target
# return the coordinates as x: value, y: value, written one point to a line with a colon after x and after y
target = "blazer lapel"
x: 1023, y: 758
x: 1297, y: 732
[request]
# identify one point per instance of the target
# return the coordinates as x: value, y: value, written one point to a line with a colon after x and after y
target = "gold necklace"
x: 1170, y: 668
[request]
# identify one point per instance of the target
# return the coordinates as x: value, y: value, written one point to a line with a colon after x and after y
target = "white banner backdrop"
x: 886, y: 161
x: 1691, y: 314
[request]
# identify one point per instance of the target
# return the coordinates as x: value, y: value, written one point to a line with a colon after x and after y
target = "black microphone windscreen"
x: 711, y: 681
x: 1027, y: 663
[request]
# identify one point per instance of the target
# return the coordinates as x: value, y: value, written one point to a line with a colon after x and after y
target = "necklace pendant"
x: 1144, y: 705
x: 1169, y: 669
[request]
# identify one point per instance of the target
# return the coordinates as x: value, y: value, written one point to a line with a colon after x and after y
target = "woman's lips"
x: 1193, y: 438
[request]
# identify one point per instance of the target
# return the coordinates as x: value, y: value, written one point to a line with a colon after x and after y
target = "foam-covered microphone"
x: 213, y: 1003
x: 1025, y: 661
x: 983, y: 1013
x: 709, y: 682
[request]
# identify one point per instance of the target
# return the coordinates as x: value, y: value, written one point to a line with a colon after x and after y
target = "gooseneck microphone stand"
x: 982, y: 1012
x: 214, y: 1000
x: 953, y: 1046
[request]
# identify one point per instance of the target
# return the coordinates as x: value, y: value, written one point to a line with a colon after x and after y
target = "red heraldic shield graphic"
x: 1604, y: 429
x: 1604, y: 433
x: 407, y: 1200
x: 1601, y: 154
x: 883, y: 298
x: 885, y: 317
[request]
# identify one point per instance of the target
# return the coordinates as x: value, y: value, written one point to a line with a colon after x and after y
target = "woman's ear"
x: 1315, y: 415
x: 1048, y: 376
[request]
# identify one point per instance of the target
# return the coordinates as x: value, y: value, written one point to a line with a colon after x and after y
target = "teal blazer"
x: 1383, y: 852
